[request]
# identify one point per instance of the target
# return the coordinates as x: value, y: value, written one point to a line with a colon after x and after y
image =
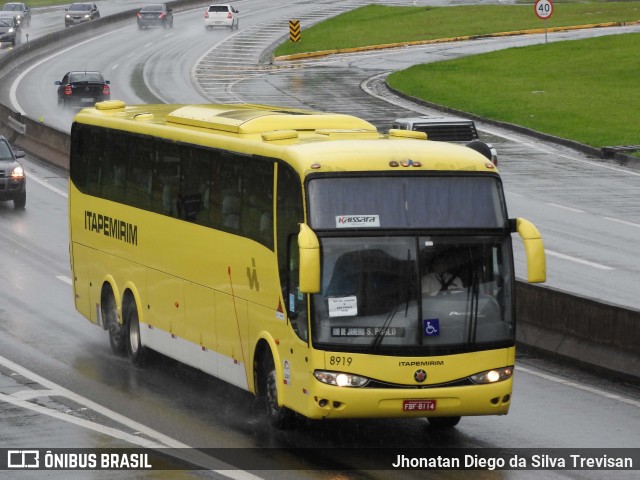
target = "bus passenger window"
x: 189, y: 206
x: 231, y: 212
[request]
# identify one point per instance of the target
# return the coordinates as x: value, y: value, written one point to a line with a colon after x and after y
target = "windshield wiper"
x: 474, y: 290
x: 380, y: 334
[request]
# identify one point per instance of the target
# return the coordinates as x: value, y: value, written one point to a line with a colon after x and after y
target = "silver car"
x: 80, y: 13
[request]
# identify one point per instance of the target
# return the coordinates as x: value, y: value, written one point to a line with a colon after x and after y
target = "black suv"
x: 13, y: 182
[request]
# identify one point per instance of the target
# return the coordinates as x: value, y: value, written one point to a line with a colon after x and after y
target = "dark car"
x: 80, y: 13
x: 10, y: 30
x: 82, y: 89
x: 448, y: 128
x: 21, y: 11
x: 155, y: 15
x: 13, y: 182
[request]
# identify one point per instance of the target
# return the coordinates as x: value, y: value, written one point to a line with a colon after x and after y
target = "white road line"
x: 159, y: 437
x: 624, y: 222
x: 567, y: 383
x: 159, y: 440
x: 64, y: 279
x: 112, y: 432
x: 37, y: 179
x: 564, y: 207
x: 578, y: 260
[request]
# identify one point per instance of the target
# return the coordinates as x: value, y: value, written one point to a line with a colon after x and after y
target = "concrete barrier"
x: 590, y: 332
x: 42, y: 141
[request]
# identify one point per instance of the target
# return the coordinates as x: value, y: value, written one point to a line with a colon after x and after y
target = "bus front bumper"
x: 327, y: 401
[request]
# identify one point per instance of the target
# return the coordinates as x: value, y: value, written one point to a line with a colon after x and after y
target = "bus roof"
x: 310, y: 141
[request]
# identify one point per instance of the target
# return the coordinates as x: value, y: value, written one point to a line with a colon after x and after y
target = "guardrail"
x: 583, y: 330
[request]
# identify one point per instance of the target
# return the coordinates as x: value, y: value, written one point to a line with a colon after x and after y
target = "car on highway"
x: 155, y: 15
x: 221, y: 15
x: 448, y: 128
x: 21, y: 11
x: 80, y: 13
x: 82, y: 89
x: 13, y: 182
x: 10, y: 30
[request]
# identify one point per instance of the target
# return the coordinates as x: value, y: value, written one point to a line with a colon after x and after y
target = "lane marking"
x: 157, y: 436
x: 159, y: 440
x: 584, y: 388
x: 564, y: 207
x: 64, y: 279
x: 46, y: 184
x: 624, y: 222
x: 112, y: 432
x: 578, y: 260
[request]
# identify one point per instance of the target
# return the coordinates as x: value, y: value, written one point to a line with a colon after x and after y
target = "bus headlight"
x: 340, y: 379
x: 492, y: 376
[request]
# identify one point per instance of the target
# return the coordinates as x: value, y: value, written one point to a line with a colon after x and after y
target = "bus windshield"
x: 425, y: 264
x: 381, y: 294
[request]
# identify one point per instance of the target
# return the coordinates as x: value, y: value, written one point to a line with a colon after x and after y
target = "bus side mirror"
x: 309, y: 248
x: 534, y: 249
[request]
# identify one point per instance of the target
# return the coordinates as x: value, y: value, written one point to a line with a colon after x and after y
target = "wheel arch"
x: 266, y: 346
x: 131, y: 293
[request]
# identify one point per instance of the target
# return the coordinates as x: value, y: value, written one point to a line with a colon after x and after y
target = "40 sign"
x: 544, y: 9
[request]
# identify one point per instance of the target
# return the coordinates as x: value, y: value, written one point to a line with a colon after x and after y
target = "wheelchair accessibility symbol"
x: 431, y: 327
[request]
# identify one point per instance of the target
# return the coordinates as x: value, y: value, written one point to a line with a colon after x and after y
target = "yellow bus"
x: 288, y: 252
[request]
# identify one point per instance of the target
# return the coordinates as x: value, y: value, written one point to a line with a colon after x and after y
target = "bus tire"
x: 279, y: 417
x: 110, y: 320
x: 135, y: 350
x: 443, y: 422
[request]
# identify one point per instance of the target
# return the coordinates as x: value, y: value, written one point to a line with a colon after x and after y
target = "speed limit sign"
x: 544, y: 9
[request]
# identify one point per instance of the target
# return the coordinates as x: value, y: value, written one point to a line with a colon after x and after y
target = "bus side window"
x: 169, y: 179
x: 231, y: 211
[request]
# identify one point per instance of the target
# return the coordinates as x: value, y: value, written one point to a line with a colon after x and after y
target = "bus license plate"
x: 418, y: 405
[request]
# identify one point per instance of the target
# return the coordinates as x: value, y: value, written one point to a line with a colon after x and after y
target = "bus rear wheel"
x: 135, y: 350
x: 110, y: 319
x: 279, y: 417
x: 444, y: 422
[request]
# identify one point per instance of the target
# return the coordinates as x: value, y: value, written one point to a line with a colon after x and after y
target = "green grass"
x: 44, y: 3
x: 378, y: 24
x: 584, y: 90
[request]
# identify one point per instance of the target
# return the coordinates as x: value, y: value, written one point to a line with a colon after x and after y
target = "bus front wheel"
x: 443, y: 422
x: 279, y: 417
